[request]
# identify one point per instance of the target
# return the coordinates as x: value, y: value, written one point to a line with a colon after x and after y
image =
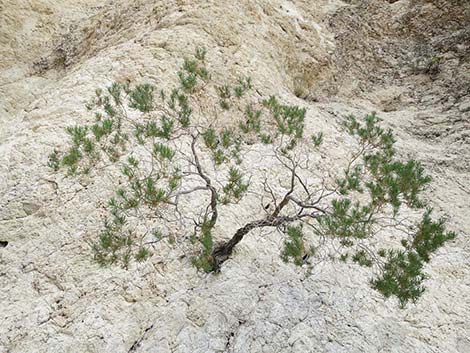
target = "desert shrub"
x: 170, y: 146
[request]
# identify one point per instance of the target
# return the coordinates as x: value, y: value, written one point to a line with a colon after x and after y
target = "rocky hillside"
x: 408, y: 60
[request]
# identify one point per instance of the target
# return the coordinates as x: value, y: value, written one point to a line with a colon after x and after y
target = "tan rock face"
x: 407, y: 60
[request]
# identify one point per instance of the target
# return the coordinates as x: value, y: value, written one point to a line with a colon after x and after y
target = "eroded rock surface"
x: 408, y: 60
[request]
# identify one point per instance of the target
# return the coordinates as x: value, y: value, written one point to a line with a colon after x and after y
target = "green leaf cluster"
x: 294, y: 247
x: 142, y: 98
x: 347, y: 220
x: 252, y: 122
x: 402, y: 275
x: 204, y: 260
x: 193, y: 70
x: 289, y: 119
x: 235, y: 188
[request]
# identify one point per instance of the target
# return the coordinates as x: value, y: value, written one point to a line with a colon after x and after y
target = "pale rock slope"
x: 408, y: 60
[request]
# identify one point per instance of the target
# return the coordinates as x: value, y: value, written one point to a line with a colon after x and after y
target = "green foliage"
x: 395, y: 181
x: 178, y: 102
x: 235, y: 188
x: 54, y: 161
x: 78, y: 134
x: 115, y: 91
x: 402, y: 275
x: 388, y: 180
x: 294, y: 248
x: 371, y: 133
x: 192, y: 70
x: 224, y: 91
x: 224, y: 105
x: 204, y: 260
x: 225, y: 94
x: 266, y: 139
x: 218, y: 156
x: 212, y: 142
x: 252, y: 123
x: 188, y: 81
x: 142, y: 254
x: 210, y: 139
x: 162, y: 152
x: 113, y: 246
x: 170, y: 145
x: 430, y: 236
x: 142, y: 98
x: 152, y: 194
x: 289, y: 119
x: 353, y: 180
x: 362, y: 258
x: 200, y: 54
x: 153, y: 130
x: 71, y: 159
x: 227, y: 138
x: 347, y: 220
x: 243, y: 86
x: 317, y: 139
x: 102, y: 129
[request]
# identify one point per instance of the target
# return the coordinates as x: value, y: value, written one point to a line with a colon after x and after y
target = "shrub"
x: 164, y: 143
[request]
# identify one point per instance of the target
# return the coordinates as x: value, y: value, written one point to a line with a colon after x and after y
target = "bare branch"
x: 214, y: 196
